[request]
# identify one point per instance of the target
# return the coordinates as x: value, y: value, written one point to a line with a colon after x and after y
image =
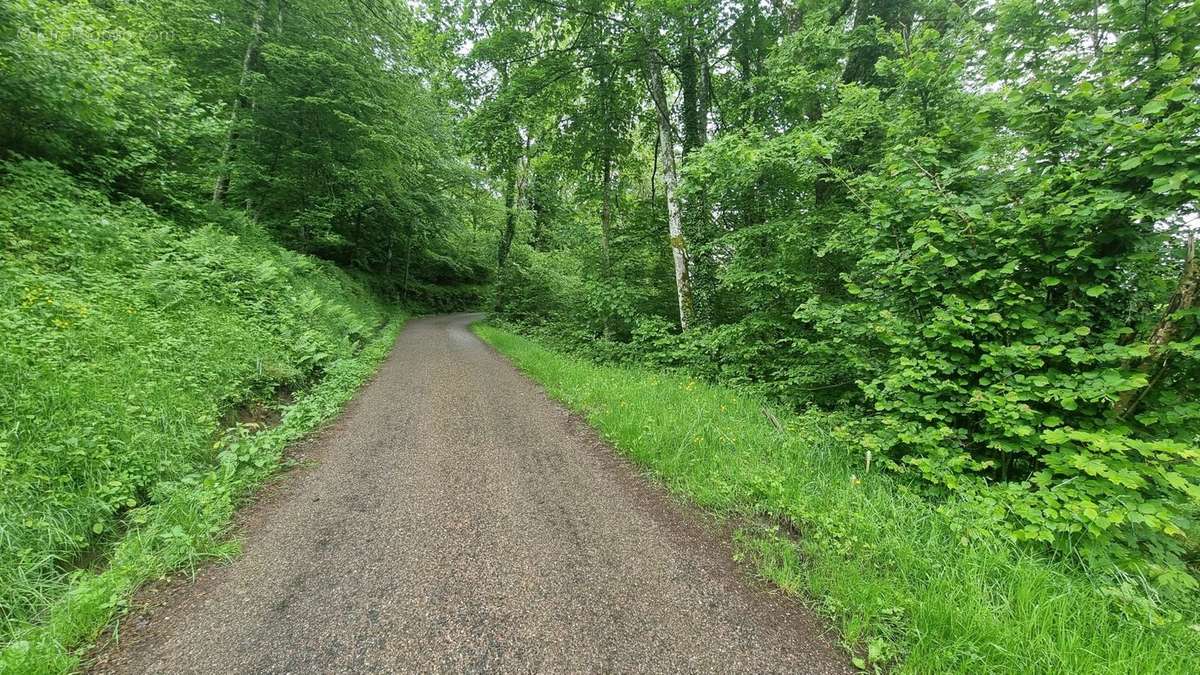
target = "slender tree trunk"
x: 537, y: 206
x: 510, y: 218
x: 705, y: 98
x: 513, y: 197
x: 1187, y: 296
x: 221, y: 186
x: 606, y: 213
x: 606, y: 229
x: 407, y: 261
x: 683, y: 282
x: 694, y: 89
x: 524, y: 177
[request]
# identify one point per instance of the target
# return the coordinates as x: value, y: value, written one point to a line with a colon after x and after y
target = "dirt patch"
x: 259, y: 414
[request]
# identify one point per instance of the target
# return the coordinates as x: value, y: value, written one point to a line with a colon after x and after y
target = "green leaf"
x: 1154, y: 106
x: 1055, y: 436
x: 1169, y: 63
x: 1083, y: 330
x: 1131, y: 163
x: 1097, y: 290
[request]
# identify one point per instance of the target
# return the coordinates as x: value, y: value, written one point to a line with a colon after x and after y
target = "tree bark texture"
x: 683, y: 282
x: 221, y: 186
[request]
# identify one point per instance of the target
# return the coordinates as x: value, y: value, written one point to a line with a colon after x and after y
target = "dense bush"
x: 1012, y: 255
x: 82, y: 90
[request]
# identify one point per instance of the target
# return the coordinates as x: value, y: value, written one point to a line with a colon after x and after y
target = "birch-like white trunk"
x: 222, y: 183
x: 683, y: 281
x: 606, y: 213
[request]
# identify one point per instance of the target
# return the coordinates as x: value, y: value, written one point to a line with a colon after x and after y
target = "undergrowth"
x: 886, y: 565
x: 128, y: 343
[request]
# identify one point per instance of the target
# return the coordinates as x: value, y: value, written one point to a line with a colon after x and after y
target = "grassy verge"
x: 880, y: 561
x: 132, y: 346
x: 188, y: 524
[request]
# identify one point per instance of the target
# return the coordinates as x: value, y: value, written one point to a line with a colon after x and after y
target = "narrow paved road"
x: 458, y: 520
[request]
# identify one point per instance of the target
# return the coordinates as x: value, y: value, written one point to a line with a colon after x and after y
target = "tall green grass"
x: 127, y: 342
x: 883, y: 563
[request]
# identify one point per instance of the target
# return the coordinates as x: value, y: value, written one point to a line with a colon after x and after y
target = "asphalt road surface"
x: 455, y: 519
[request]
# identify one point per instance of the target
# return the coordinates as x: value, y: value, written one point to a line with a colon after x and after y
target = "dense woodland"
x: 964, y: 229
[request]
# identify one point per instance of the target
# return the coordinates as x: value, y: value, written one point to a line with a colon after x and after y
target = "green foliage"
x: 1015, y: 298
x: 128, y: 343
x: 85, y: 91
x: 322, y: 128
x: 908, y: 592
x: 372, y: 170
x: 189, y: 523
x: 961, y: 224
x: 964, y: 222
x: 144, y: 315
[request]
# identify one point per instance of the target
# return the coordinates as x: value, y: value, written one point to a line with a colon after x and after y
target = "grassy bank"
x: 885, y: 565
x: 150, y: 374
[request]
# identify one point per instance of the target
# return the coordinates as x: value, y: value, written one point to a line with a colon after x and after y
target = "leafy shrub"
x: 82, y: 90
x: 1018, y: 304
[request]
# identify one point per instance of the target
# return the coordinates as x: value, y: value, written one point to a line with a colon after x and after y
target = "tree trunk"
x: 860, y: 65
x: 689, y: 85
x: 1187, y: 296
x: 407, y: 262
x: 606, y: 230
x: 704, y: 103
x: 694, y: 89
x: 683, y: 282
x: 510, y: 217
x: 606, y: 213
x: 513, y: 195
x: 221, y: 186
